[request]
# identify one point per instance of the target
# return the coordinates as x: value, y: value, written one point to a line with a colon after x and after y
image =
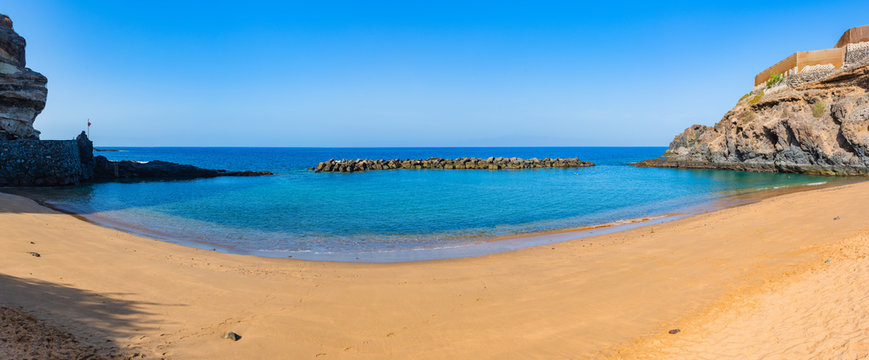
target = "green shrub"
x: 747, y: 117
x: 819, y: 109
x: 756, y: 98
x: 774, y: 78
x: 744, y: 96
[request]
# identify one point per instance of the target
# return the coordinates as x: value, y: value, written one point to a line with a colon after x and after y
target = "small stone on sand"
x: 232, y: 336
x: 34, y: 253
x: 674, y: 331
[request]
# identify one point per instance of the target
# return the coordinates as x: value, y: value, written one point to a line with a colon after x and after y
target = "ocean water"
x: 397, y: 215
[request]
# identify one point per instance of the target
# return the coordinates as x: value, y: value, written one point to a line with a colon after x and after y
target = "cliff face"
x: 22, y: 91
x: 820, y: 126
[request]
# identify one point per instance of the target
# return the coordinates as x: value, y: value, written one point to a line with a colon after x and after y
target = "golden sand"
x: 745, y: 282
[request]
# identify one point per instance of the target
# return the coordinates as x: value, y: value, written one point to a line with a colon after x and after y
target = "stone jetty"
x: 472, y: 163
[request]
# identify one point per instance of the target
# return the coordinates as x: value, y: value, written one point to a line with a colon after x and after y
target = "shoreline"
x: 598, y: 297
x: 465, y: 247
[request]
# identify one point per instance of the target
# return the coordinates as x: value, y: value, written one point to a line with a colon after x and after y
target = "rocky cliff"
x: 816, y: 124
x: 22, y: 91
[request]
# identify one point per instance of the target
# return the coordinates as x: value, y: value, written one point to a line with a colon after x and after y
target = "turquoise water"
x: 392, y: 215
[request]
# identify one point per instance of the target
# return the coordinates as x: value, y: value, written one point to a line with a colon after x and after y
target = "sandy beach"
x: 782, y: 278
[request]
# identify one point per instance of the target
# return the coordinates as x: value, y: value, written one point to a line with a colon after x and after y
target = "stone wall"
x: 857, y: 54
x: 43, y: 163
x: 806, y: 77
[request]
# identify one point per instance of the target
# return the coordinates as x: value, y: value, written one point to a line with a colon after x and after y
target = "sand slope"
x: 608, y: 296
x: 820, y: 314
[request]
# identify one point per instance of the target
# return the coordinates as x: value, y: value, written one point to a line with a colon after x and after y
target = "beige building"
x: 854, y: 36
x: 826, y: 59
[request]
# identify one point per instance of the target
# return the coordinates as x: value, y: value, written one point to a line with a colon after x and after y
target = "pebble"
x: 836, y: 218
x: 674, y: 331
x: 34, y: 253
x: 232, y: 336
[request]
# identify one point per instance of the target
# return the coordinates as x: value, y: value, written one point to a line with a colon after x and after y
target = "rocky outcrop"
x: 106, y: 170
x: 492, y: 163
x: 816, y: 127
x: 28, y: 162
x: 22, y: 91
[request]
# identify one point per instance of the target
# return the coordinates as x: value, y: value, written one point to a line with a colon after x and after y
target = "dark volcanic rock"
x: 105, y: 170
x: 470, y: 163
x: 85, y: 154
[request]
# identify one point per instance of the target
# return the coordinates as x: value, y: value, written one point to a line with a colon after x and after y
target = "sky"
x: 406, y: 73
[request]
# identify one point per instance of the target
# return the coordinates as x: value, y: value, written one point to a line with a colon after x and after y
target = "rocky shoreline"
x: 470, y: 163
x: 106, y: 170
x: 26, y: 162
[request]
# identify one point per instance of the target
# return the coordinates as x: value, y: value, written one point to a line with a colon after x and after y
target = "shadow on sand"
x: 94, y: 319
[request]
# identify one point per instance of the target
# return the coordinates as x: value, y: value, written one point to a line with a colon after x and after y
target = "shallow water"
x: 393, y: 215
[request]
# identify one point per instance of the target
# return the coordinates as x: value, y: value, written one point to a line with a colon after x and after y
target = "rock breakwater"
x: 470, y: 163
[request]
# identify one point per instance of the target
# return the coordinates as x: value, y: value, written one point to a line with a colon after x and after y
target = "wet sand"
x: 745, y: 281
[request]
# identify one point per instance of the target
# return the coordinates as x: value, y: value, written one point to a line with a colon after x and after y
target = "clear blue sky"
x: 406, y: 73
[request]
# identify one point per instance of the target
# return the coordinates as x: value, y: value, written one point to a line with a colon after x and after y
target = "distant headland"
x: 25, y: 160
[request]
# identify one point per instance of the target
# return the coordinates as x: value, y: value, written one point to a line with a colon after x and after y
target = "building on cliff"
x: 855, y: 35
x: 851, y: 48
